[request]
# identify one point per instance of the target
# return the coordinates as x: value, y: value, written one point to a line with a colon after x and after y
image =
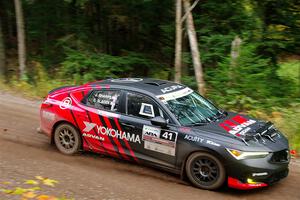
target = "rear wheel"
x: 205, y: 171
x: 67, y: 139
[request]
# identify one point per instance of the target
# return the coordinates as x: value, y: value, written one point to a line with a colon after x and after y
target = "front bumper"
x: 255, y: 173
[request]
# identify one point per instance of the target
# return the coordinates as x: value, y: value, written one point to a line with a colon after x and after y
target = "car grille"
x: 280, y: 156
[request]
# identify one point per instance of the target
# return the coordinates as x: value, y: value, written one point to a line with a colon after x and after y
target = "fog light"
x: 251, y: 181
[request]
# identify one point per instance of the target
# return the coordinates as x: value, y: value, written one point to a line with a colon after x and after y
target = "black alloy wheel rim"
x: 205, y: 171
x: 66, y: 138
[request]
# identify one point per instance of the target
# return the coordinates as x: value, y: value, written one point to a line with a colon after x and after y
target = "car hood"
x: 252, y: 132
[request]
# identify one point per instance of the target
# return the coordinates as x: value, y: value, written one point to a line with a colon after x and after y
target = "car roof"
x: 154, y: 86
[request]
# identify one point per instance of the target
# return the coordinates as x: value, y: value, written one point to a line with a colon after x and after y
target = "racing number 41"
x: 167, y: 135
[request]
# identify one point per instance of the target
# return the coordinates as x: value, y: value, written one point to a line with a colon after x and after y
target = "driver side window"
x: 142, y: 106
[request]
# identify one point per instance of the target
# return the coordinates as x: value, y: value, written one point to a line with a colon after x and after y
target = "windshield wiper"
x: 198, y: 124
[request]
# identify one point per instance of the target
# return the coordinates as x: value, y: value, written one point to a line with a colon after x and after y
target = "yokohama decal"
x: 112, y: 133
x: 237, y: 125
x: 126, y: 142
x: 96, y: 136
x: 109, y: 131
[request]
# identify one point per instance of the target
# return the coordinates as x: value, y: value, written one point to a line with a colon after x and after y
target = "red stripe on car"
x: 230, y: 123
x: 106, y: 144
x: 119, y: 146
x: 239, y: 119
x: 224, y: 126
x: 126, y: 142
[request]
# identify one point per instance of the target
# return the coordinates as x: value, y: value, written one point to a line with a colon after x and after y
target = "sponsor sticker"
x: 175, y: 95
x: 65, y: 103
x: 159, y: 140
x: 237, y: 125
x: 93, y: 136
x: 201, y: 140
x: 212, y: 143
x: 150, y: 131
x: 171, y: 88
x: 193, y: 138
x: 147, y: 110
x: 130, y: 137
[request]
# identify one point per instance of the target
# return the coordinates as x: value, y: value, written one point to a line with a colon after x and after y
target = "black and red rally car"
x: 169, y: 126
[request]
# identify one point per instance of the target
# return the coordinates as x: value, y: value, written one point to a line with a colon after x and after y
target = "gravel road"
x: 25, y: 154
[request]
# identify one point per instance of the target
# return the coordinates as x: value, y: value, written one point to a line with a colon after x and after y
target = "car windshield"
x: 190, y: 108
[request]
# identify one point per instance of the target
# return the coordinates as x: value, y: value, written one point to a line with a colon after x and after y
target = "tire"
x: 205, y: 171
x: 67, y: 139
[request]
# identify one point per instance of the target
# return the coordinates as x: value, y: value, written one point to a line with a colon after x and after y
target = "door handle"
x: 127, y: 125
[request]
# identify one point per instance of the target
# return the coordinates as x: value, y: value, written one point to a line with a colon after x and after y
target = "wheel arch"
x: 201, y: 149
x: 59, y: 123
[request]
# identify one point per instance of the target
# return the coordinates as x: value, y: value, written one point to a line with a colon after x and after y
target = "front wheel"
x: 205, y: 171
x: 67, y: 139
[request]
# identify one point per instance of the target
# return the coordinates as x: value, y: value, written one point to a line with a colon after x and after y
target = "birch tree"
x: 194, y: 46
x: 21, y: 37
x: 234, y: 54
x: 178, y: 42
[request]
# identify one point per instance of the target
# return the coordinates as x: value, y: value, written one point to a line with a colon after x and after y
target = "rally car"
x: 169, y: 126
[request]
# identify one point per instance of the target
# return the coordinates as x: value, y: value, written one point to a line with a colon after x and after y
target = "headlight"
x: 239, y: 155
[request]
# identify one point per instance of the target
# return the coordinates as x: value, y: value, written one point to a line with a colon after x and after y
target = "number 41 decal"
x: 168, y: 135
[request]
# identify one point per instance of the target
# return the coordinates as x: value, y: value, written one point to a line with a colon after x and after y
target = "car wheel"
x: 205, y: 171
x: 67, y: 139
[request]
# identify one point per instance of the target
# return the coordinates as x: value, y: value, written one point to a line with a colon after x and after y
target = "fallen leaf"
x: 19, y: 191
x: 31, y: 182
x: 7, y: 191
x: 29, y: 195
x: 49, y: 182
x: 39, y: 178
x: 46, y: 197
x: 43, y: 197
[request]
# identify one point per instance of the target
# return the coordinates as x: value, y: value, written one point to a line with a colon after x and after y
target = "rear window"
x: 104, y: 100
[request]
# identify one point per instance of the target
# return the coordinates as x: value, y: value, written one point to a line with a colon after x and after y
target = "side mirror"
x: 159, y: 121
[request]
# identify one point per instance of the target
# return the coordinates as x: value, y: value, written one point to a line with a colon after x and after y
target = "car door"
x: 102, y: 130
x: 157, y: 144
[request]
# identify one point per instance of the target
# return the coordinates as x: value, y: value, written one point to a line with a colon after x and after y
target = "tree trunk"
x: 235, y: 53
x: 178, y: 42
x: 194, y: 48
x: 235, y: 50
x: 2, y: 52
x: 21, y: 38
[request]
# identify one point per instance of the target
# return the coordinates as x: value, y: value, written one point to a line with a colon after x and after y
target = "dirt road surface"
x: 25, y: 154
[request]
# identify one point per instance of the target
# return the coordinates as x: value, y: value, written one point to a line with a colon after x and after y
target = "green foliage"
x: 289, y: 71
x: 245, y: 82
x: 84, y: 66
